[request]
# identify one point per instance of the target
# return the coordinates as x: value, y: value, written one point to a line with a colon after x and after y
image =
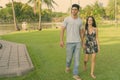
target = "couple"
x: 77, y: 36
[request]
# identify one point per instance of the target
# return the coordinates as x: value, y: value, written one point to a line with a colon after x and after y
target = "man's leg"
x: 76, y: 58
x: 76, y: 61
x: 69, y: 56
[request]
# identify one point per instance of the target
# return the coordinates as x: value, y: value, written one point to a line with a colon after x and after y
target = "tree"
x: 5, y: 14
x: 46, y: 15
x: 88, y: 10
x: 38, y: 3
x: 27, y: 13
x: 14, y: 17
x: 113, y: 8
x: 96, y: 10
x: 24, y: 12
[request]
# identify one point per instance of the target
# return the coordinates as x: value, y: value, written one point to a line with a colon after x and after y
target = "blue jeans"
x: 73, y: 49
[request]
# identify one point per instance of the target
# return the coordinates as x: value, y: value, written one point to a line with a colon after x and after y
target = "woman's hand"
x: 98, y: 49
x: 83, y: 45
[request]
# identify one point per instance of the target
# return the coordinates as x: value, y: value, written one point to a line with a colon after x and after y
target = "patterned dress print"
x: 91, y: 43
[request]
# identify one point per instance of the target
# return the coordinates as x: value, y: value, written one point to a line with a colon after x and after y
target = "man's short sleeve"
x: 64, y: 24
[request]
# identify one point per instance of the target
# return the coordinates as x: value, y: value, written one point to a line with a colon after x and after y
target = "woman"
x: 90, y: 43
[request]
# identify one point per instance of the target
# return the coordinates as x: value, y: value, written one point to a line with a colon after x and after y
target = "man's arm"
x: 81, y: 35
x: 62, y: 36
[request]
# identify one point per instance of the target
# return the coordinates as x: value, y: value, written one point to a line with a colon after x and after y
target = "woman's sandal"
x: 93, y: 76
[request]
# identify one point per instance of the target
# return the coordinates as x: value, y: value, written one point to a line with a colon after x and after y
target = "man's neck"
x: 74, y: 16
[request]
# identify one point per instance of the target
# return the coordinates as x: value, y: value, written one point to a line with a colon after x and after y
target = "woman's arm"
x: 97, y: 39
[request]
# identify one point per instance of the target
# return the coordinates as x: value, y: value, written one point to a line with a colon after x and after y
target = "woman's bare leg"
x: 93, y: 58
x: 86, y: 57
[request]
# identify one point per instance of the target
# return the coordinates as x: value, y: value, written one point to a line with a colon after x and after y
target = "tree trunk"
x: 15, y: 24
x: 34, y: 8
x: 40, y: 9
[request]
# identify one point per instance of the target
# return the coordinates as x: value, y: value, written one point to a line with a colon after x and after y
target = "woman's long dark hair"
x: 93, y: 24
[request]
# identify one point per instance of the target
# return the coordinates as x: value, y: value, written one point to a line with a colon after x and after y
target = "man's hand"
x: 62, y: 44
x: 98, y: 49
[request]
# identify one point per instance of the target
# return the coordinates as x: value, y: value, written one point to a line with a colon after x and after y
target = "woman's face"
x: 90, y: 21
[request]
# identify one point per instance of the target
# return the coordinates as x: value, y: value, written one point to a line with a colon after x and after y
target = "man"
x: 73, y: 27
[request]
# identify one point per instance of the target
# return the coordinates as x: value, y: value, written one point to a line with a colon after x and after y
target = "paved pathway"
x: 14, y: 59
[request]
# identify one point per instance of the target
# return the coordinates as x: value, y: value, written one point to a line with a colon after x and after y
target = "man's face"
x: 74, y: 11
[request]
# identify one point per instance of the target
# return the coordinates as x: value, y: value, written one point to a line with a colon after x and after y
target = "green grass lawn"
x: 49, y: 59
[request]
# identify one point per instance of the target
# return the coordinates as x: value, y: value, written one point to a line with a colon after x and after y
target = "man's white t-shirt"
x: 73, y: 27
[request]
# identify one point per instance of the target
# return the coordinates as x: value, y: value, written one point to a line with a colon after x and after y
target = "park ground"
x: 49, y: 59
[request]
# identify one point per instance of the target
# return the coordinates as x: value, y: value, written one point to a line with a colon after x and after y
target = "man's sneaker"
x: 76, y: 77
x: 67, y: 70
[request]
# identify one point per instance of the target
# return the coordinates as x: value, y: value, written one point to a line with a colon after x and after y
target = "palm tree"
x: 40, y: 9
x: 38, y: 3
x: 14, y: 17
x: 115, y: 9
x: 35, y: 2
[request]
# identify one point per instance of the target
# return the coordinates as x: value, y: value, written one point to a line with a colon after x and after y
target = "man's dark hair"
x: 76, y: 5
